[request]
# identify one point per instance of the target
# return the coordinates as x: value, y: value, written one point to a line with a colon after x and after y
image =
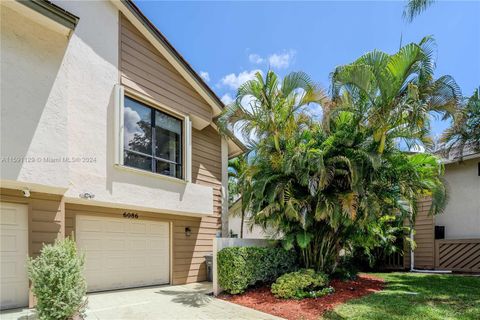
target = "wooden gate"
x: 458, y: 255
x: 394, y: 262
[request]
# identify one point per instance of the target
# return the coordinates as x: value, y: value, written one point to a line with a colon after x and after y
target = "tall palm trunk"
x: 241, y: 224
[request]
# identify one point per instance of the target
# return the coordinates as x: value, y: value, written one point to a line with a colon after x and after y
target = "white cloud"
x: 131, y: 127
x: 281, y: 60
x: 255, y: 58
x: 226, y: 99
x: 234, y: 81
x: 205, y: 76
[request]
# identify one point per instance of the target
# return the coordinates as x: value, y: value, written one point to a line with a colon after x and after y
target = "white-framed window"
x: 152, y: 139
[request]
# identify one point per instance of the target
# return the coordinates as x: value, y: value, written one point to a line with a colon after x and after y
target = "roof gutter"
x: 467, y: 157
x: 53, y: 12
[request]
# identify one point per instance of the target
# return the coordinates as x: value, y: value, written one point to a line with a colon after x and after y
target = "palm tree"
x: 394, y: 95
x: 265, y: 107
x: 318, y: 183
x: 464, y: 134
x: 414, y: 8
x: 240, y: 184
x: 331, y: 184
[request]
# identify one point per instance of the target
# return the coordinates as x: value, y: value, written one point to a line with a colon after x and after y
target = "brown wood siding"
x: 146, y: 70
x: 207, y: 169
x: 46, y: 217
x: 188, y: 262
x: 424, y: 237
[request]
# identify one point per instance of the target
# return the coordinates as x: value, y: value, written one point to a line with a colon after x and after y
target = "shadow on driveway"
x: 197, y: 297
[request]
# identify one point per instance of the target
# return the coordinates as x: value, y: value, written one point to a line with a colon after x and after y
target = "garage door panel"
x: 114, y: 227
x: 13, y: 295
x: 9, y: 217
x: 158, y: 229
x: 90, y: 244
x: 115, y: 262
x: 114, y: 244
x: 158, y: 244
x: 138, y: 228
x: 13, y: 255
x: 93, y: 263
x: 157, y: 261
x: 89, y: 225
x: 9, y: 243
x: 125, y: 253
x: 138, y: 244
x: 138, y: 262
x: 12, y: 268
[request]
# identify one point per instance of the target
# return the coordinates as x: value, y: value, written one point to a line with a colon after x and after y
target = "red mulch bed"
x: 263, y: 300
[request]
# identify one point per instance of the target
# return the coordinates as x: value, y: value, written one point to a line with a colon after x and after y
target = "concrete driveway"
x: 163, y: 302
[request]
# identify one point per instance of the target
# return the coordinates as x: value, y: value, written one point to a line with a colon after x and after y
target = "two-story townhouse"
x: 107, y: 134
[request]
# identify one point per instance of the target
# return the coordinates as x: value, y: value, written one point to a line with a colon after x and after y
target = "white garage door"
x: 13, y: 255
x: 123, y: 253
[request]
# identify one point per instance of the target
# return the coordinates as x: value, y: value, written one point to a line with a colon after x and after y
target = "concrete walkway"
x: 163, y: 302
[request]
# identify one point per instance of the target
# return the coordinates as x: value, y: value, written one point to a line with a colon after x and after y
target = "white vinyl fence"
x: 220, y: 243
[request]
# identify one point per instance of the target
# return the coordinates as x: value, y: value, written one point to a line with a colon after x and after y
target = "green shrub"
x: 57, y: 279
x: 345, y: 273
x: 241, y: 267
x: 305, y: 283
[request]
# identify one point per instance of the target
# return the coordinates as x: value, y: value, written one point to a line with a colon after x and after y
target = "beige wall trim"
x: 225, y: 188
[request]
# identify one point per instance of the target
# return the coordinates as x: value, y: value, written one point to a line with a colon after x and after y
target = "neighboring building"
x: 250, y: 230
x: 451, y: 240
x: 107, y: 134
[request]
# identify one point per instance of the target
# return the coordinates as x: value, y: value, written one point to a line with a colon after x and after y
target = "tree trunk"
x: 241, y: 224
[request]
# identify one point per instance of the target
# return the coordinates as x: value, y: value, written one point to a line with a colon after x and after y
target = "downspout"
x: 412, y: 255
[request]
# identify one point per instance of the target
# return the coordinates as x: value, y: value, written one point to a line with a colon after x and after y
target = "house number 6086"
x: 130, y: 215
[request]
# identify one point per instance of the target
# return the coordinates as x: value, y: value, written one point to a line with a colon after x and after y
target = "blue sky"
x: 227, y: 41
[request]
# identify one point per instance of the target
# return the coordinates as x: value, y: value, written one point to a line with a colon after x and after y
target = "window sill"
x: 150, y: 174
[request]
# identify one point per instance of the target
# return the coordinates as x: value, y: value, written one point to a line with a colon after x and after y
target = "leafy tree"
x: 464, y: 134
x: 327, y: 187
x: 415, y: 7
x: 394, y: 95
x: 265, y: 109
x: 320, y: 183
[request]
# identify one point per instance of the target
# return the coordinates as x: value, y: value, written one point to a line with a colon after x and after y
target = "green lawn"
x: 416, y: 296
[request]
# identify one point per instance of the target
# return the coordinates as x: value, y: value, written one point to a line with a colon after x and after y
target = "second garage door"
x: 123, y: 253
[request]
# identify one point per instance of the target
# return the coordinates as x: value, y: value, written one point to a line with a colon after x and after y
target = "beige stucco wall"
x: 250, y: 231
x: 462, y: 215
x: 57, y: 105
x: 33, y: 101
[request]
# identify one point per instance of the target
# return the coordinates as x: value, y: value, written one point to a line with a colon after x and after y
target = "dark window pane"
x: 137, y: 127
x: 168, y: 137
x: 137, y: 161
x: 169, y: 169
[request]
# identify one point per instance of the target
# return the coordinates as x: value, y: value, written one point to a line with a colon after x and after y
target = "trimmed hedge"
x: 241, y: 267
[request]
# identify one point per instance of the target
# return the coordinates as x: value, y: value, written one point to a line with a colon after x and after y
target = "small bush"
x: 305, y: 283
x: 241, y: 267
x: 58, y: 283
x: 345, y: 273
